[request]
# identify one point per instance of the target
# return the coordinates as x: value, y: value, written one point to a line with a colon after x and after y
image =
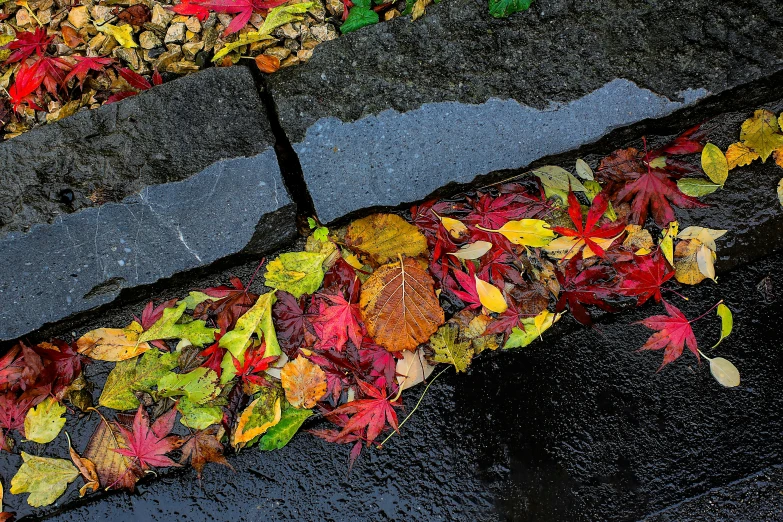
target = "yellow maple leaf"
x: 761, y: 133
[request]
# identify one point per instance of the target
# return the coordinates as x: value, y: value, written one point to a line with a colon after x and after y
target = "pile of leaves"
x: 58, y: 57
x: 367, y: 311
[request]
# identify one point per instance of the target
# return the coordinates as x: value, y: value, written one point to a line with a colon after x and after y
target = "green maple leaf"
x: 167, y: 327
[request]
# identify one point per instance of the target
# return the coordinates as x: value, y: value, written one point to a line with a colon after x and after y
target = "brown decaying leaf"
x: 114, y: 470
x: 112, y: 344
x: 686, y: 262
x: 204, y: 446
x: 71, y: 37
x: 304, y: 383
x: 383, y: 237
x: 87, y: 469
x: 267, y: 64
x: 399, y: 306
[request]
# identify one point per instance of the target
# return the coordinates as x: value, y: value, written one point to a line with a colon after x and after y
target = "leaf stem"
x: 414, y: 408
x: 708, y: 311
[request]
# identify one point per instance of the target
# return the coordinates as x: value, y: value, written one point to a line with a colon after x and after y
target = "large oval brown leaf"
x: 384, y: 237
x: 399, y: 306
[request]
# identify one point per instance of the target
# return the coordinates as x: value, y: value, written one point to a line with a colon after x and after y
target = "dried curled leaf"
x: 384, y: 237
x: 304, y: 383
x: 112, y: 344
x: 449, y: 349
x: 204, y: 446
x: 87, y: 469
x: 399, y: 306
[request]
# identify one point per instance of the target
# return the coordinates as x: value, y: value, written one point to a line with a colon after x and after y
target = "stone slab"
x: 84, y: 259
x: 165, y: 134
x: 459, y: 94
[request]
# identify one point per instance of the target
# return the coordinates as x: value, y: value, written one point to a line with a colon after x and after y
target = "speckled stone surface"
x: 84, y: 259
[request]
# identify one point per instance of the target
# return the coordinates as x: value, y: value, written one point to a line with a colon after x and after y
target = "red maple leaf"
x: 28, y: 79
x: 191, y: 8
x: 339, y: 321
x: 232, y: 302
x: 55, y: 70
x: 134, y: 79
x: 494, y: 212
x: 381, y: 364
x: 343, y: 370
x: 590, y: 230
x: 290, y: 320
x: 214, y: 354
x: 630, y: 176
x: 506, y: 321
x: 674, y: 332
x: 254, y: 363
x: 368, y: 416
x: 242, y: 8
x: 469, y: 293
x: 581, y: 286
x: 148, y: 445
x: 498, y: 266
x: 26, y: 44
x: 85, y: 64
x: 150, y: 316
x: 643, y: 276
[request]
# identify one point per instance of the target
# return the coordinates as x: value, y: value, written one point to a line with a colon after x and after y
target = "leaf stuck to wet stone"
x: 44, y: 478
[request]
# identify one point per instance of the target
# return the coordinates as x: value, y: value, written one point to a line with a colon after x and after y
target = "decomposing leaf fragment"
x: 296, y: 272
x: 44, y: 478
x: 449, y: 349
x: 384, y: 237
x: 44, y: 422
x: 113, y: 344
x: 264, y: 412
x: 115, y: 471
x: 87, y: 470
x: 399, y: 306
x: 204, y: 446
x: 304, y: 382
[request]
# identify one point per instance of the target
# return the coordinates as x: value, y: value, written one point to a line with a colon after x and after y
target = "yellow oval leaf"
x: 456, y: 228
x: 528, y: 232
x: 112, y: 344
x: 490, y: 296
x: 714, y: 164
x: 473, y: 250
x: 123, y: 34
x: 724, y: 372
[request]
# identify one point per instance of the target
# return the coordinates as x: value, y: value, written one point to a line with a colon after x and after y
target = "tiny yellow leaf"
x: 738, y: 155
x: 490, y: 296
x: 714, y: 164
x: 667, y: 241
x: 472, y: 250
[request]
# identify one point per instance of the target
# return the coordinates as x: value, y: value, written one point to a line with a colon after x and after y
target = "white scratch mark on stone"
x: 182, y: 239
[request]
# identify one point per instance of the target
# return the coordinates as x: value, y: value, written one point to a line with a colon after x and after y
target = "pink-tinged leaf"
x: 84, y: 65
x: 148, y: 446
x: 674, y: 333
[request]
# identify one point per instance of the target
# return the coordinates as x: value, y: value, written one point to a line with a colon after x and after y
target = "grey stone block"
x: 165, y: 134
x: 470, y: 94
x: 84, y: 259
